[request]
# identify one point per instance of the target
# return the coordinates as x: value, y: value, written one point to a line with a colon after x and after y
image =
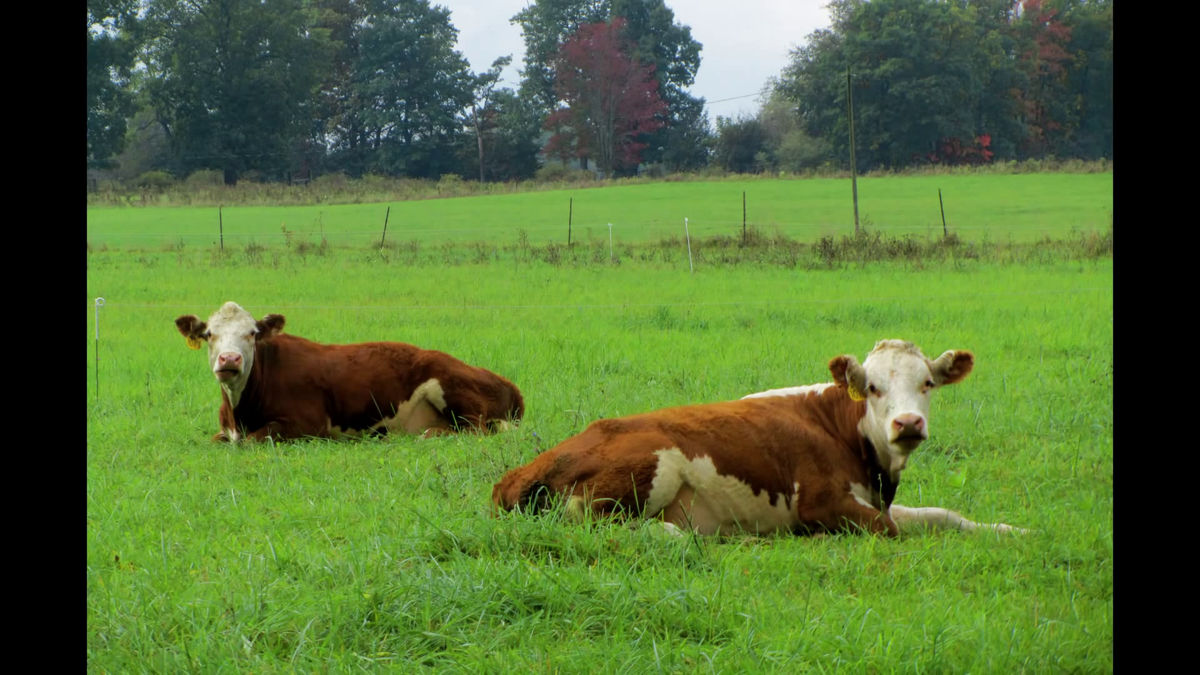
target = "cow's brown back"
x: 354, y: 387
x: 766, y: 443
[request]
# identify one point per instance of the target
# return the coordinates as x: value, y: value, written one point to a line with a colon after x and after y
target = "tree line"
x: 286, y: 89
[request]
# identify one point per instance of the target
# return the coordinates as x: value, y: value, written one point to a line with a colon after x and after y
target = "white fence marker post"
x: 99, y: 304
x: 691, y: 269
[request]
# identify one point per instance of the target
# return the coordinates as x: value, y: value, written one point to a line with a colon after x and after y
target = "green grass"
x: 978, y: 207
x: 382, y: 555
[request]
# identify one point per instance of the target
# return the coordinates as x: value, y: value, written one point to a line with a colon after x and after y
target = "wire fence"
x: 700, y: 214
x: 772, y: 302
x: 642, y: 232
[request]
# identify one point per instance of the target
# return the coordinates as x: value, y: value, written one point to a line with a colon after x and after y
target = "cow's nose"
x: 230, y: 360
x: 909, y: 424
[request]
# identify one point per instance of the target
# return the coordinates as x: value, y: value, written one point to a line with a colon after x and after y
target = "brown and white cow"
x: 813, y: 459
x: 283, y: 386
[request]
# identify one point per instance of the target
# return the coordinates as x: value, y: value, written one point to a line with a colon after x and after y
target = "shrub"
x: 204, y: 178
x: 450, y: 185
x: 154, y: 180
x: 798, y: 152
x: 557, y: 173
x: 328, y: 183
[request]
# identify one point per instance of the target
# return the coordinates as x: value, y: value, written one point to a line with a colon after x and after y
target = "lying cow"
x: 284, y: 386
x: 813, y: 459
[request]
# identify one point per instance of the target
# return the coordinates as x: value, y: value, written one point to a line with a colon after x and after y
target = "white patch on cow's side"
x: 864, y: 495
x: 935, y: 517
x: 792, y: 391
x: 420, y: 412
x: 690, y: 493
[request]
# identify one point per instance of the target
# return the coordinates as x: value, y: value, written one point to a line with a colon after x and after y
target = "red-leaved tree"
x: 608, y: 100
x: 1046, y: 61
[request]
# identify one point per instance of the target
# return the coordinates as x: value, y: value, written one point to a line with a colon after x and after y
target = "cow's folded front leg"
x: 934, y: 517
x: 284, y: 429
x: 869, y: 519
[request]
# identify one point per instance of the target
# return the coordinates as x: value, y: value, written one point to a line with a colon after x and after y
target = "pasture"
x: 1020, y: 207
x: 382, y: 554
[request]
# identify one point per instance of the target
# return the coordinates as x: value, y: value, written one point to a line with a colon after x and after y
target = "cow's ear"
x: 192, y: 328
x: 848, y: 373
x: 269, y: 325
x: 952, y: 366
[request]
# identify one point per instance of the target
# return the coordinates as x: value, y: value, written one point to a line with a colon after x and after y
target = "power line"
x: 734, y: 98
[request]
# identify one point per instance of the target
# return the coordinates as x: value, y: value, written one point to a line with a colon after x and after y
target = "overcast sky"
x: 744, y: 42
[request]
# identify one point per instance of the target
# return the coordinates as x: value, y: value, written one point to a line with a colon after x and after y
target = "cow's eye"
x: 929, y: 384
x: 872, y: 389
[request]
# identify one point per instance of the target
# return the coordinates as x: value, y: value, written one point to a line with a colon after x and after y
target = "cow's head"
x: 230, y: 333
x: 897, y: 381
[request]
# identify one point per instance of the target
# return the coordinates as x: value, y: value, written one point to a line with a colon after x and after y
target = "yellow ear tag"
x: 193, y: 343
x: 855, y: 394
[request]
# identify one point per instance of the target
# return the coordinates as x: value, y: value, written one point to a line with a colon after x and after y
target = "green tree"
x: 741, y: 145
x: 786, y: 144
x: 926, y: 75
x: 657, y: 38
x: 1090, y: 79
x: 482, y: 114
x: 233, y: 82
x: 111, y: 49
x: 512, y: 130
x: 406, y: 92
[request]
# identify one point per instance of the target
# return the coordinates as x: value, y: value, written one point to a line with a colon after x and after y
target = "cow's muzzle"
x: 228, y: 367
x: 908, y: 430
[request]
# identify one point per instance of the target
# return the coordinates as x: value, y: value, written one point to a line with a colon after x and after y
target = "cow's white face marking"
x: 793, y: 391
x: 231, y: 332
x: 691, y: 494
x: 898, y: 381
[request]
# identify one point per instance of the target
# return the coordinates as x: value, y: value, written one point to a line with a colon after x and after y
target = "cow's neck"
x: 851, y: 421
x: 234, y: 392
x: 882, y: 479
x: 889, y: 462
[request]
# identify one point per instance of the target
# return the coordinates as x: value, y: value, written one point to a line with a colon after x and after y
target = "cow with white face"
x: 284, y: 386
x: 231, y: 333
x: 812, y: 459
x: 898, y: 382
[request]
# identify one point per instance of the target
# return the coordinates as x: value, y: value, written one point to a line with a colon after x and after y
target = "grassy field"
x: 1019, y: 207
x: 381, y: 554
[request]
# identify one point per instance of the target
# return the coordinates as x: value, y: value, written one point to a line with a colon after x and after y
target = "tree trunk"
x: 478, y: 139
